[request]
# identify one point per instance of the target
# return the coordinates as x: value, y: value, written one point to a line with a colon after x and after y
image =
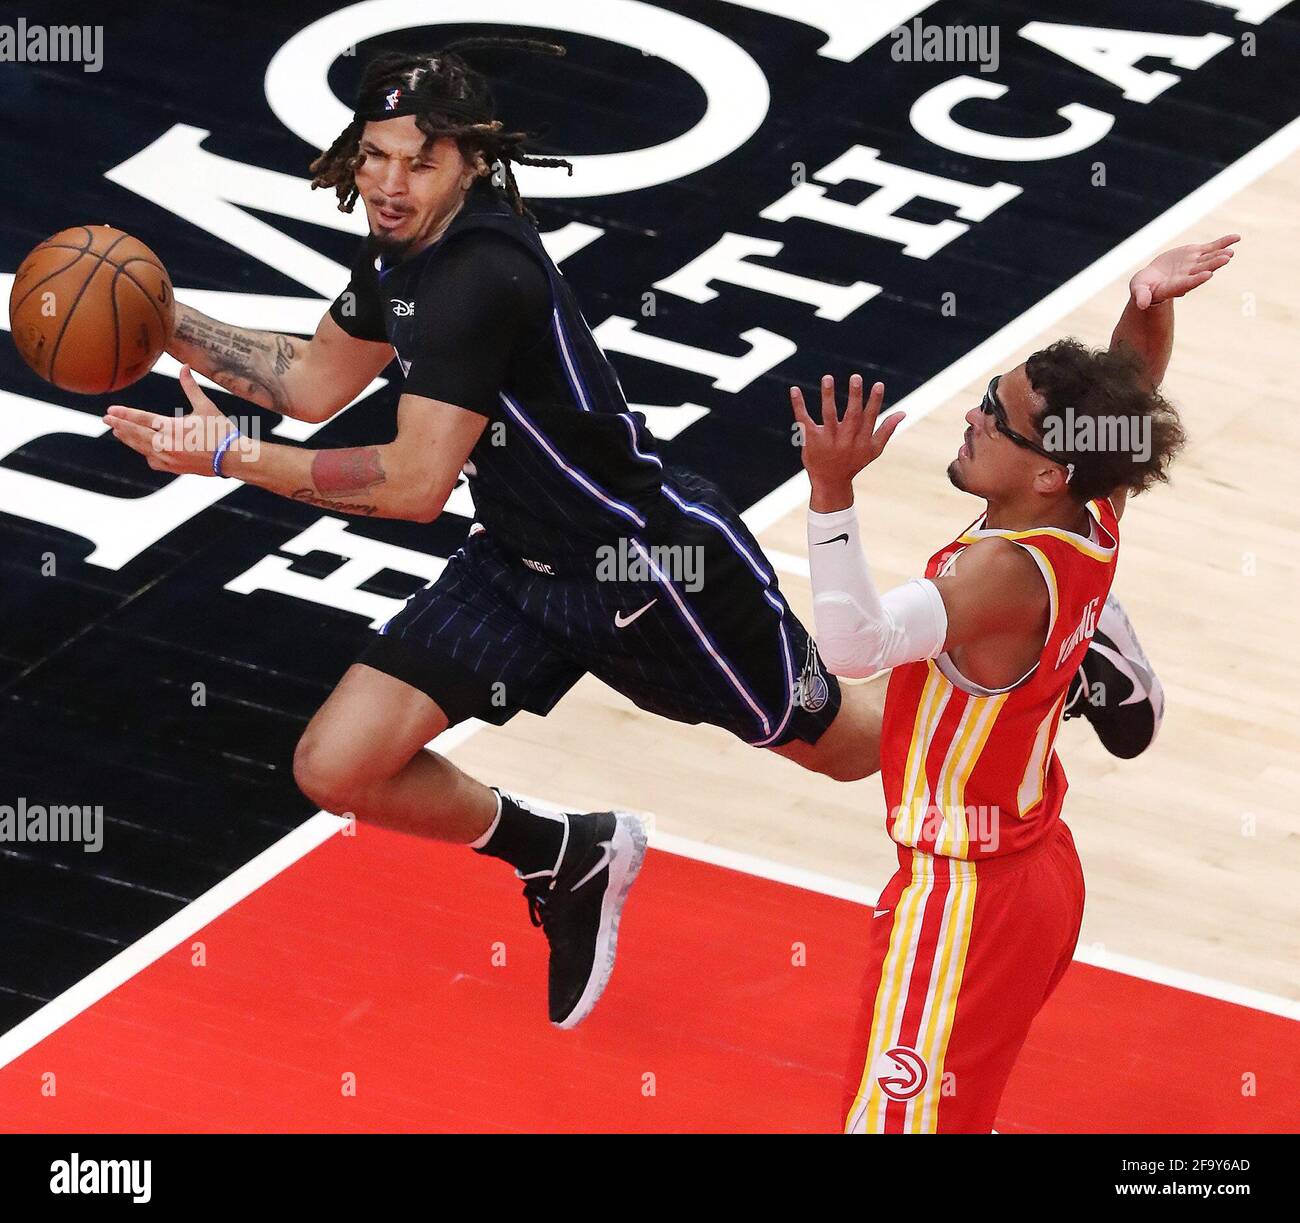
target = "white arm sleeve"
x: 858, y: 631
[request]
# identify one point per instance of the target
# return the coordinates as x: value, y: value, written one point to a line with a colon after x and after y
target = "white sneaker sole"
x: 627, y: 852
x: 1114, y: 622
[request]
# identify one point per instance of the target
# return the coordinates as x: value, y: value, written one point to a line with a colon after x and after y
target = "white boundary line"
x: 317, y: 830
x: 1057, y: 304
x: 1085, y: 953
x: 788, y: 562
x: 1193, y: 983
x: 763, y: 868
x: 828, y: 885
x: 252, y: 875
x: 174, y: 931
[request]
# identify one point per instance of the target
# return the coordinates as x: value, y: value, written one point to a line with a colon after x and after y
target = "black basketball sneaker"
x: 1116, y: 688
x: 578, y: 904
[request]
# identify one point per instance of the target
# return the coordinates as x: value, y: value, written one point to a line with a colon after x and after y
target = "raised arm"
x: 1147, y: 324
x: 306, y: 379
x: 995, y: 592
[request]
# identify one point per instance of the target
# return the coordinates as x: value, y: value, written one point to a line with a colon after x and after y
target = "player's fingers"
x: 1226, y: 241
x: 198, y: 398
x: 137, y: 416
x: 830, y: 415
x: 140, y: 438
x: 1142, y: 298
x: 888, y: 427
x: 874, y: 403
x: 853, y: 409
x: 800, y: 409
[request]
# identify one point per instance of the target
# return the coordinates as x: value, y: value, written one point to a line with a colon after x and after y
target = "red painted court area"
x: 375, y: 963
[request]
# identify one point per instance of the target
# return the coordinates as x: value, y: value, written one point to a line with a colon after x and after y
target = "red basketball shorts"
x: 962, y: 957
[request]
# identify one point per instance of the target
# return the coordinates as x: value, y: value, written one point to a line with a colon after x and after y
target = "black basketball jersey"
x: 563, y: 464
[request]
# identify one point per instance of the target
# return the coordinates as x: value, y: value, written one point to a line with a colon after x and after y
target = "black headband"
x: 399, y: 100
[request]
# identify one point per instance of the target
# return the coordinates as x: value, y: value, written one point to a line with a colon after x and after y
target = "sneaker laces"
x: 538, y: 883
x: 535, y: 892
x: 1071, y: 709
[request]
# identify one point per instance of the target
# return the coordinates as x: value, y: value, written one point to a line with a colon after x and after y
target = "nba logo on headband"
x: 390, y: 99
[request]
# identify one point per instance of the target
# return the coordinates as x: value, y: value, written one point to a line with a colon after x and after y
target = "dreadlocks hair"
x: 1102, y: 414
x: 441, y: 76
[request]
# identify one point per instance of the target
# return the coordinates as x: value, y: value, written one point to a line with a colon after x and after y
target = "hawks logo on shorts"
x: 901, y: 1072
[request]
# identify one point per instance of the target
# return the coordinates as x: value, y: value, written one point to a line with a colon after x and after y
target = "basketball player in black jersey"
x: 590, y: 553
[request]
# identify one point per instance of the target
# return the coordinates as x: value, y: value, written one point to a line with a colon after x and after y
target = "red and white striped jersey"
x: 971, y: 772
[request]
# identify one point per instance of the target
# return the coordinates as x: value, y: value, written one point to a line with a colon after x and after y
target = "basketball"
x: 91, y: 309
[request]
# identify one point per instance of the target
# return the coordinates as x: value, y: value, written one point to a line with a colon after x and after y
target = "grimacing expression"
x: 989, y: 464
x: 409, y: 183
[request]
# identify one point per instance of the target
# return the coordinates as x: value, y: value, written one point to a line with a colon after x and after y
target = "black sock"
x: 529, y: 840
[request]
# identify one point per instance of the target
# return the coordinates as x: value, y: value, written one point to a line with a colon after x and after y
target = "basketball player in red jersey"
x: 979, y: 923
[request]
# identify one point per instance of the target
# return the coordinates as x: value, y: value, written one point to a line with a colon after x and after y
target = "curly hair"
x: 1102, y: 414
x: 455, y: 101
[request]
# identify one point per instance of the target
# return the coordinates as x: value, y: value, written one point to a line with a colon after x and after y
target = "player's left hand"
x: 837, y: 449
x: 181, y: 445
x: 1180, y: 270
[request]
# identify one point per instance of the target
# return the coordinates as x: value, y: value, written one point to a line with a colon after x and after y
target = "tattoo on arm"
x: 284, y: 354
x: 347, y: 471
x: 312, y: 497
x: 248, y: 363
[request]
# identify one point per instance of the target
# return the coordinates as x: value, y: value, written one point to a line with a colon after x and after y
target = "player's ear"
x: 476, y: 169
x: 1051, y: 481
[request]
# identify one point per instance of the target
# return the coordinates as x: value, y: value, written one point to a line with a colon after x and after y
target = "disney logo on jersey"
x: 1087, y: 627
x: 402, y: 309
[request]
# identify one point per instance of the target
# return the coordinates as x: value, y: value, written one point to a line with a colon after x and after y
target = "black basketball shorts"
x: 688, y: 623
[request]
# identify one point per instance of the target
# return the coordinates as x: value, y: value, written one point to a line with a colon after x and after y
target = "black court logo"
x: 901, y: 1073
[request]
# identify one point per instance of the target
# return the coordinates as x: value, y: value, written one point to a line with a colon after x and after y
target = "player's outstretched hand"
x: 840, y: 447
x: 1180, y: 270
x: 182, y: 445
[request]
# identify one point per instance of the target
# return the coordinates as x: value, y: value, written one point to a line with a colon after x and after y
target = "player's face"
x: 410, y: 185
x: 991, y: 465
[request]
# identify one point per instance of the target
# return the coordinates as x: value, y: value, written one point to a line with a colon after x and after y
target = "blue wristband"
x: 221, y: 451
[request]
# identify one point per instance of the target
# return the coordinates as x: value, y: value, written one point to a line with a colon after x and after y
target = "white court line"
x: 763, y: 868
x: 174, y: 931
x: 1092, y: 953
x: 317, y: 830
x: 1057, y: 304
x: 788, y: 562
x: 771, y: 508
x: 828, y: 885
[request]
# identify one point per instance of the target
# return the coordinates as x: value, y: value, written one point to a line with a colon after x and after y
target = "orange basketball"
x: 91, y: 309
